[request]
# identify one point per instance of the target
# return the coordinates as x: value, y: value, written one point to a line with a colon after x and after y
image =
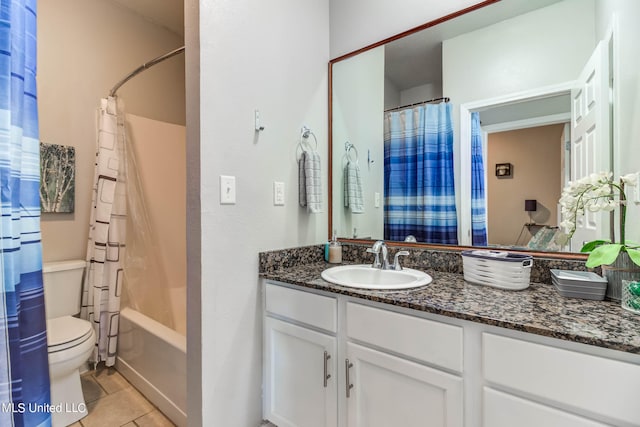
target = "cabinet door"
x: 297, y: 393
x: 391, y: 391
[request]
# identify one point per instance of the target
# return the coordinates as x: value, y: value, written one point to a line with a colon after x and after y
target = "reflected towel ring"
x: 304, y: 137
x: 347, y: 148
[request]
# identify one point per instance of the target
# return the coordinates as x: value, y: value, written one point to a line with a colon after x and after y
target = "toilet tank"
x: 62, y: 287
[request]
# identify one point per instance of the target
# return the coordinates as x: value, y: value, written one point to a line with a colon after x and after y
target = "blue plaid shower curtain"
x: 24, y: 367
x: 419, y: 186
x: 478, y: 201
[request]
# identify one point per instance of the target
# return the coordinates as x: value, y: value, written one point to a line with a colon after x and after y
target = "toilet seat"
x: 66, y: 332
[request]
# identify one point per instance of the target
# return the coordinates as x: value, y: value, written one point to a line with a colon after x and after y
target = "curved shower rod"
x: 143, y: 67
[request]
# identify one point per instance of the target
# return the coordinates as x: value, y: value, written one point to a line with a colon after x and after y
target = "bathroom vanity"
x: 448, y: 354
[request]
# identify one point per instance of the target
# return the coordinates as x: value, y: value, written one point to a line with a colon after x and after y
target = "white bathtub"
x: 153, y: 358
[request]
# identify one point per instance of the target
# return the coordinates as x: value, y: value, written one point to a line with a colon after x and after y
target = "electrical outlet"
x: 376, y: 199
x: 278, y: 193
x: 227, y: 190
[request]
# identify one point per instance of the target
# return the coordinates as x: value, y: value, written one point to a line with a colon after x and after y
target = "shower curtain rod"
x: 444, y: 98
x: 143, y: 67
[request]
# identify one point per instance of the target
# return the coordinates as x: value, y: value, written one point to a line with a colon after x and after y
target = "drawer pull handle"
x: 348, y: 365
x: 327, y: 375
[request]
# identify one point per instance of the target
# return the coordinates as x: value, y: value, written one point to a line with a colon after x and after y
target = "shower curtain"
x: 478, y: 201
x: 120, y: 264
x: 24, y: 366
x: 418, y: 175
x: 107, y: 231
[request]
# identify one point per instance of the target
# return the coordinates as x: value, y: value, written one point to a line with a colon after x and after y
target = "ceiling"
x: 165, y: 13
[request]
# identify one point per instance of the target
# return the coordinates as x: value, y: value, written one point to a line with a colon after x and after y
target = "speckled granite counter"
x: 539, y: 309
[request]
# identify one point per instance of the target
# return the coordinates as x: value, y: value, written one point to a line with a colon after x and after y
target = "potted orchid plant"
x: 597, y: 192
x: 594, y: 193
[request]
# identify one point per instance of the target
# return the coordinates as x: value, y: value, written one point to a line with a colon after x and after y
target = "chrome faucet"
x: 380, y: 248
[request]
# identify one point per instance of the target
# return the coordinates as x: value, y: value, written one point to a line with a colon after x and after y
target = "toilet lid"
x: 65, y: 332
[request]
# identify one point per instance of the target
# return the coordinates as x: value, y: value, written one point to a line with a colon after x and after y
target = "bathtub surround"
x: 152, y: 357
x: 24, y: 368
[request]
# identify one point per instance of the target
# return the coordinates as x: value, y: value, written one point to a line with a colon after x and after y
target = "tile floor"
x: 113, y: 402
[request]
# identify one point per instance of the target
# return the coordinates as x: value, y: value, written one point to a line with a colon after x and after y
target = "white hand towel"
x: 302, y: 182
x: 353, y: 196
x: 313, y: 181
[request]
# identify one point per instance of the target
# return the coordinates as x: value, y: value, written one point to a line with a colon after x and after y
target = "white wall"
x: 84, y: 48
x: 357, y: 104
x: 270, y: 56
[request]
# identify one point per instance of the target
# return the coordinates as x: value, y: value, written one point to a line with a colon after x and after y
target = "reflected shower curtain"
x: 478, y: 201
x: 419, y: 186
x: 24, y: 366
x: 107, y: 231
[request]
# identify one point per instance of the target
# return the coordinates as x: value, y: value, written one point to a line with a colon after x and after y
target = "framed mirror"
x: 509, y: 72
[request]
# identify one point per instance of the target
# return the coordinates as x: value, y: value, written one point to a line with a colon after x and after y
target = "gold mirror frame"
x: 552, y: 255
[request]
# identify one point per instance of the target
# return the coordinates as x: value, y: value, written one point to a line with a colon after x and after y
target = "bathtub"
x: 153, y: 358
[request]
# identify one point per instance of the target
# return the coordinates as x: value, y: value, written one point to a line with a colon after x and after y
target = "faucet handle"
x: 376, y: 262
x: 396, y: 259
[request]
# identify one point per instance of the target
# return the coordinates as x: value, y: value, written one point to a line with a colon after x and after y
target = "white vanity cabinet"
x: 533, y: 384
x: 300, y: 358
x: 388, y: 372
x: 391, y: 366
x: 393, y: 362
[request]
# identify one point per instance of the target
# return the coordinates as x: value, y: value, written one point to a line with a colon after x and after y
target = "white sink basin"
x: 365, y: 277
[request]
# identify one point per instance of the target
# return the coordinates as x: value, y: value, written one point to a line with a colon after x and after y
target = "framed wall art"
x: 503, y: 170
x: 57, y: 178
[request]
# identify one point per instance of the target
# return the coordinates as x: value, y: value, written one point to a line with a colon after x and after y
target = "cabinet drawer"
x: 505, y: 410
x: 311, y: 309
x: 432, y: 342
x: 582, y: 382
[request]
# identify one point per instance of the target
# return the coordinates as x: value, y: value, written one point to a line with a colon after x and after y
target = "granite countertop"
x: 538, y: 309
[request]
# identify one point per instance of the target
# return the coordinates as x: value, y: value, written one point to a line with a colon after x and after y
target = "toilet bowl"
x: 70, y: 340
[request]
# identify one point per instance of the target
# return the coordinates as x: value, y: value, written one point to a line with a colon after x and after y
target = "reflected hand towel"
x: 353, y: 196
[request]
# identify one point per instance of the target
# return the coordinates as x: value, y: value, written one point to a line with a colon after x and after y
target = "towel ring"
x: 304, y: 137
x: 347, y: 148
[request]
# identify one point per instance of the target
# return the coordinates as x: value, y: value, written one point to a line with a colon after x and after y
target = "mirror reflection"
x: 462, y: 133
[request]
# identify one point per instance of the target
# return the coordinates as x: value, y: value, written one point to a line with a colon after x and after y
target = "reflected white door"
x: 590, y: 137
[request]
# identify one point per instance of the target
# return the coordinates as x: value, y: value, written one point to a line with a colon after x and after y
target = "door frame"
x: 465, y: 138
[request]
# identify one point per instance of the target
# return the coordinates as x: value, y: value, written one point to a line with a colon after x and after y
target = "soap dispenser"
x: 335, y: 250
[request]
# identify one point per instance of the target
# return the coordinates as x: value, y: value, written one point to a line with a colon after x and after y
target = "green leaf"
x: 590, y: 246
x: 634, y: 254
x: 605, y: 254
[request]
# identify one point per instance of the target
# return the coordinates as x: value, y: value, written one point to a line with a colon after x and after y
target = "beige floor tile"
x: 131, y: 424
x: 76, y: 424
x: 110, y: 380
x: 90, y: 388
x: 117, y: 409
x: 154, y: 419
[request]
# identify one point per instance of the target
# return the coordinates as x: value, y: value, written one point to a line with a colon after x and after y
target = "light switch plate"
x: 376, y: 199
x: 278, y: 193
x: 227, y: 190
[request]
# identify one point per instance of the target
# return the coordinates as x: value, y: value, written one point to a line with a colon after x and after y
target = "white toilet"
x: 70, y: 340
